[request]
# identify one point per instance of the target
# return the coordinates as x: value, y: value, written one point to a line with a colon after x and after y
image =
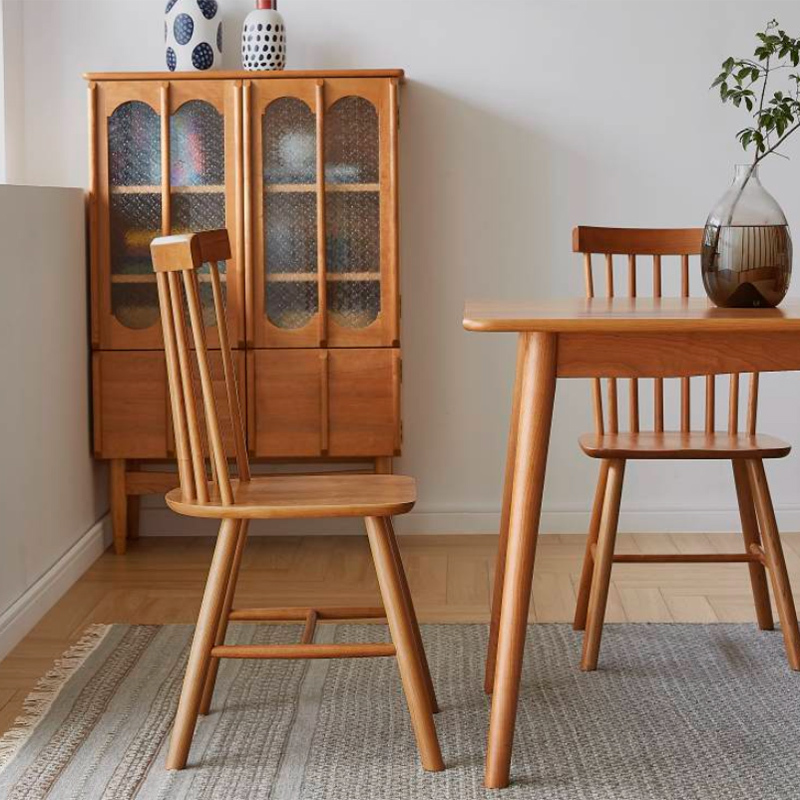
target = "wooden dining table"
x: 608, y: 338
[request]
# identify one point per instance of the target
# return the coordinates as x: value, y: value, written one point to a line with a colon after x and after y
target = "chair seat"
x: 306, y: 496
x: 677, y: 445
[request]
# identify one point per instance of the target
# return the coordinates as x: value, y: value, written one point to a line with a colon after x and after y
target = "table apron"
x: 672, y: 355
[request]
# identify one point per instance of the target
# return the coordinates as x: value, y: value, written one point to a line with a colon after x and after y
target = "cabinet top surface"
x: 618, y: 315
x: 220, y: 75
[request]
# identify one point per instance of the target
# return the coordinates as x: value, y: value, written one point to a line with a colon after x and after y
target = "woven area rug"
x: 676, y: 711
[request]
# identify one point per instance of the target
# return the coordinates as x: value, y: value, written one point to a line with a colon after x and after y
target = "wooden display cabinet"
x: 301, y: 168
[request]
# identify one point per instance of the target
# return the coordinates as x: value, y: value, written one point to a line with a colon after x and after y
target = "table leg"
x: 536, y: 412
x: 502, y: 545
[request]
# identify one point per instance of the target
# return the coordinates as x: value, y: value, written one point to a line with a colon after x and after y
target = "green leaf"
x: 749, y: 103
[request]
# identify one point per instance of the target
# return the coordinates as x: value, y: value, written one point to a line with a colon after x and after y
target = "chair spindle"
x: 613, y: 410
x: 633, y: 394
x: 184, y: 459
x: 658, y: 383
x: 216, y: 450
x: 733, y: 405
x: 752, y: 404
x: 187, y: 385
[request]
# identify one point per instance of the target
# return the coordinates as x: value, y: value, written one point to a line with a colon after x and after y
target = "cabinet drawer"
x: 285, y: 402
x: 132, y: 413
x: 364, y: 402
x: 130, y: 404
x: 315, y: 402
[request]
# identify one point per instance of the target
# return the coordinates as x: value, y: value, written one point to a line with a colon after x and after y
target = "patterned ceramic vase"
x: 264, y: 38
x: 193, y: 35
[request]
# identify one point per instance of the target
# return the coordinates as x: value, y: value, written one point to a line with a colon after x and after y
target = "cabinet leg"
x: 119, y: 504
x: 134, y: 507
x: 383, y: 465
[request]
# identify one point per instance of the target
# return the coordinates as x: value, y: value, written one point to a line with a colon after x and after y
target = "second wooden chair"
x: 235, y: 502
x: 746, y: 450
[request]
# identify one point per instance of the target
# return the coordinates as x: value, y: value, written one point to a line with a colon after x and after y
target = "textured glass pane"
x: 134, y: 155
x: 197, y: 212
x: 351, y: 142
x: 354, y: 304
x: 352, y: 231
x: 134, y: 146
x: 197, y: 159
x: 290, y: 225
x: 135, y: 222
x: 135, y: 305
x: 197, y: 145
x: 289, y: 142
x: 291, y: 304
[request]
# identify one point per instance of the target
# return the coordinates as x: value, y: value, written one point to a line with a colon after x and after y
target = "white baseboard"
x: 162, y: 522
x: 26, y: 611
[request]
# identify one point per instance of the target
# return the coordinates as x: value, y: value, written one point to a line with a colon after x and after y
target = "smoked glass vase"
x: 747, y: 247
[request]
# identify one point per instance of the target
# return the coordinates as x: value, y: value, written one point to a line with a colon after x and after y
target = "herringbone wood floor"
x: 161, y: 580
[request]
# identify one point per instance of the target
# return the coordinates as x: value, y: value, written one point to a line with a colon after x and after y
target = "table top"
x: 618, y: 315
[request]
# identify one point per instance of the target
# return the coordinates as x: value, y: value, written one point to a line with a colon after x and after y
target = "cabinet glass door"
x: 323, y: 212
x: 202, y: 188
x: 130, y: 190
x: 144, y: 194
x: 286, y: 211
x: 360, y: 221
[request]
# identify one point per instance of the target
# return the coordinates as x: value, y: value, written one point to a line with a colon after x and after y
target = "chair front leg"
x: 773, y: 553
x: 603, y: 562
x: 222, y: 628
x: 587, y: 570
x: 402, y: 632
x: 203, y: 641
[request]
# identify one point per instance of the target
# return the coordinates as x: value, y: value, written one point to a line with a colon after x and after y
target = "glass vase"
x: 747, y: 247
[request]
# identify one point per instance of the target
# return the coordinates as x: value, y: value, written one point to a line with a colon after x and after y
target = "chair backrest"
x: 176, y: 260
x: 647, y: 247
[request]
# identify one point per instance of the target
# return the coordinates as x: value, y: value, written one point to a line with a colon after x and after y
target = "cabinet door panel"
x: 286, y: 411
x: 284, y: 213
x: 364, y: 402
x: 130, y: 213
x: 130, y: 404
x: 145, y: 189
x: 361, y: 212
x: 205, y: 147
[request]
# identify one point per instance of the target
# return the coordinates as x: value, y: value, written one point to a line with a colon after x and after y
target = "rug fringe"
x: 47, y: 689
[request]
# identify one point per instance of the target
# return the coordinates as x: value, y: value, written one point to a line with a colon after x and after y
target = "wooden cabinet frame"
x: 356, y: 370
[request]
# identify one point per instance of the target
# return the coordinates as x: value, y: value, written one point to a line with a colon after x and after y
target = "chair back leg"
x: 773, y: 554
x: 758, y: 575
x: 603, y: 561
x: 401, y: 628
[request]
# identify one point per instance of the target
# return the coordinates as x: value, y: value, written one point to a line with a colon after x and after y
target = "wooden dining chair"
x: 745, y: 449
x: 235, y: 501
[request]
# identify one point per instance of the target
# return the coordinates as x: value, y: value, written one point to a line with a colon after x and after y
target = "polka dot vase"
x: 193, y: 35
x: 264, y: 38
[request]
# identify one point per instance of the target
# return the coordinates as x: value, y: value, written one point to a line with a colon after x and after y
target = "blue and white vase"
x: 264, y: 38
x: 193, y: 35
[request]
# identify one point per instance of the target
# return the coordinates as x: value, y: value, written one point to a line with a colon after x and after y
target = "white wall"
x: 520, y: 120
x: 51, y: 495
